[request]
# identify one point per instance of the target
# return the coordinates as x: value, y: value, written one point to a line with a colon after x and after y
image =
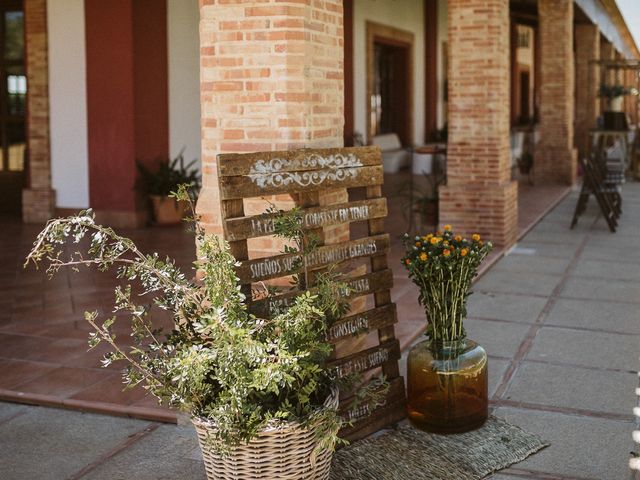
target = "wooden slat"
x: 239, y: 250
x: 234, y: 164
x: 382, y: 297
x: 384, y: 416
x: 360, y: 285
x: 351, y: 414
x: 282, y: 265
x: 246, y: 187
x: 362, y: 323
x: 367, y: 359
x: 261, y: 225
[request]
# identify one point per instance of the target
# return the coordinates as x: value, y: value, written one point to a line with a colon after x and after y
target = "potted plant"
x: 162, y: 178
x: 447, y: 373
x: 614, y: 94
x: 260, y: 397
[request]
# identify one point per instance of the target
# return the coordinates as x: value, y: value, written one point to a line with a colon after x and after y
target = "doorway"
x: 524, y: 116
x: 13, y: 100
x: 389, y: 82
x: 390, y: 92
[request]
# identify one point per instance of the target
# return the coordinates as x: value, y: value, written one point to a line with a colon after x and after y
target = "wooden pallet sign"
x: 304, y: 174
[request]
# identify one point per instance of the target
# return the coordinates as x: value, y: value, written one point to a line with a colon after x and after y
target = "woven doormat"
x: 410, y: 454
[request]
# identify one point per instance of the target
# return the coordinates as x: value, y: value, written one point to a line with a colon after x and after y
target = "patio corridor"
x: 43, y: 337
x: 559, y: 317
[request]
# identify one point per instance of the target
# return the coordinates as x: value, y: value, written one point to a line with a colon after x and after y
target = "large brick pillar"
x: 271, y: 78
x: 38, y: 200
x: 479, y: 196
x: 555, y: 158
x: 587, y: 83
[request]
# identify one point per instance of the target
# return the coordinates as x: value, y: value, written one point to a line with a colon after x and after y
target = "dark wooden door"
x: 13, y: 97
x: 391, y: 90
x: 525, y: 91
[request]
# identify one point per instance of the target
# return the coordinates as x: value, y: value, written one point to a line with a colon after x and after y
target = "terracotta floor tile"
x: 63, y: 381
x: 149, y: 402
x: 111, y: 390
x: 78, y: 329
x: 25, y: 328
x: 15, y: 372
x: 59, y: 351
x: 93, y: 359
x: 20, y: 346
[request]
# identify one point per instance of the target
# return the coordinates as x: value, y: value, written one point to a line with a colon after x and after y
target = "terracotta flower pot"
x: 167, y: 211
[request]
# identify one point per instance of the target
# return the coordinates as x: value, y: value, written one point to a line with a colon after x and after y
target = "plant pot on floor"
x: 446, y: 374
x: 167, y: 210
x: 447, y: 386
x: 286, y: 452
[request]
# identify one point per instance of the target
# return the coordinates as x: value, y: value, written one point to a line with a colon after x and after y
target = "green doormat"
x: 410, y: 454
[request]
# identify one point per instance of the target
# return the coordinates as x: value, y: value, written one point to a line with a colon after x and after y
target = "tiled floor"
x: 43, y: 350
x: 563, y: 356
x: 43, y: 337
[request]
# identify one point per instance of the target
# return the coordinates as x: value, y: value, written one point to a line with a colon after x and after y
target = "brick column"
x: 38, y: 201
x: 271, y: 78
x: 555, y: 158
x: 587, y: 84
x: 479, y: 196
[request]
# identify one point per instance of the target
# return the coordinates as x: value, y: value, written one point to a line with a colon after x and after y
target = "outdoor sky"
x: 630, y: 10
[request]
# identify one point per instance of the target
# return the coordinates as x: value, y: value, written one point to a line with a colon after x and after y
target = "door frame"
x: 11, y: 181
x: 378, y: 33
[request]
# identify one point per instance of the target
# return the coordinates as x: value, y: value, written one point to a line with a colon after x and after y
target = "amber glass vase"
x: 447, y: 386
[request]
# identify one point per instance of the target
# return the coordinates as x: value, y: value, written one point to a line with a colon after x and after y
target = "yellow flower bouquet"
x: 442, y: 265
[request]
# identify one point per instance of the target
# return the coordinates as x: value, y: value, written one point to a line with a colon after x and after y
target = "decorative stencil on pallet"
x: 304, y: 174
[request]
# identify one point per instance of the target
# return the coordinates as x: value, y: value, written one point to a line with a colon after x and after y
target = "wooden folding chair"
x: 608, y: 197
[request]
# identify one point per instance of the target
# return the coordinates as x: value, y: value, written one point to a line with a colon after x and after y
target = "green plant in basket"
x: 443, y: 265
x: 241, y: 374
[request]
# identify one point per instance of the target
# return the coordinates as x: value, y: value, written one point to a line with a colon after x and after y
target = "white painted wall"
x: 405, y: 15
x: 68, y: 102
x: 183, y: 18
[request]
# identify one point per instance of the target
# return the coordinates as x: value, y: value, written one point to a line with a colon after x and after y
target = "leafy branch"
x: 217, y: 362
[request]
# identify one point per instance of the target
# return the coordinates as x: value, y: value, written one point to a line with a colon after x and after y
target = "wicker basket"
x: 283, y: 453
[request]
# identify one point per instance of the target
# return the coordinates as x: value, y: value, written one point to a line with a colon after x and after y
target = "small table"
x: 434, y: 149
x: 430, y: 149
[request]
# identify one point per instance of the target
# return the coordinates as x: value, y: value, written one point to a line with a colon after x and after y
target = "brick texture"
x: 38, y: 201
x: 555, y: 159
x: 271, y: 78
x: 587, y: 40
x: 479, y: 196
